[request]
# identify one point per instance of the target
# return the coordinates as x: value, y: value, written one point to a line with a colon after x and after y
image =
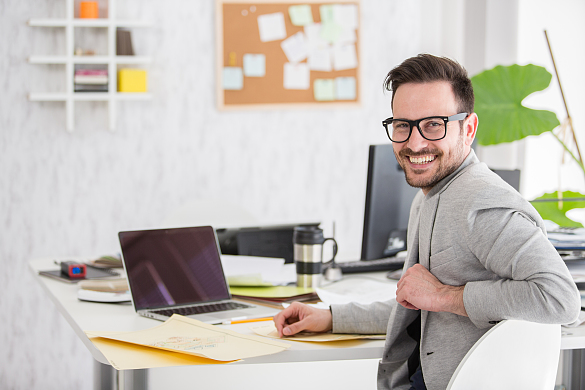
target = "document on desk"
x: 253, y: 271
x: 357, y: 289
x: 269, y: 330
x: 191, y: 337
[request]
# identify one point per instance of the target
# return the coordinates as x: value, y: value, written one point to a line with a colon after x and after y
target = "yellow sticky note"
x: 131, y: 80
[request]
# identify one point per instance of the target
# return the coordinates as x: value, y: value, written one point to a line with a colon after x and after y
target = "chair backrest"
x: 512, y: 355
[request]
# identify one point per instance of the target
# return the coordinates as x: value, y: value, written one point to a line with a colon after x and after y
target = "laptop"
x: 179, y: 271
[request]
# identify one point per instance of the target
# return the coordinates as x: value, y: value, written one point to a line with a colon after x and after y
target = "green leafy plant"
x: 499, y: 93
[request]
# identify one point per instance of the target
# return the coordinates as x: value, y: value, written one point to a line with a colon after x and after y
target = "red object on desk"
x: 73, y: 270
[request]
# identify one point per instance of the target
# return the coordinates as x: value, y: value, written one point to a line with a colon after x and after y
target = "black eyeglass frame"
x: 457, y: 117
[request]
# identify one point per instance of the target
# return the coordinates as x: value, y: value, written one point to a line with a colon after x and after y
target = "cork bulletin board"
x: 278, y: 54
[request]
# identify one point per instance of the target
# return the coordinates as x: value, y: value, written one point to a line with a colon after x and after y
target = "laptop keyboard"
x: 199, y: 309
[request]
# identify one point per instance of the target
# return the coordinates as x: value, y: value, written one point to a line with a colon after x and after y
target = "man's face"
x: 426, y: 162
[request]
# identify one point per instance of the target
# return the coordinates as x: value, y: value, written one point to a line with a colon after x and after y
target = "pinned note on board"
x: 233, y: 78
x: 296, y: 76
x: 345, y: 15
x: 271, y: 27
x: 345, y: 88
x: 326, y: 13
x: 320, y: 60
x: 254, y: 65
x: 344, y: 57
x: 324, y: 90
x: 295, y: 47
x: 300, y: 15
x: 331, y: 32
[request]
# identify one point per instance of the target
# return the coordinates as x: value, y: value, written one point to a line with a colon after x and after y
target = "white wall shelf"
x: 69, y: 60
x: 125, y: 60
x: 87, y: 23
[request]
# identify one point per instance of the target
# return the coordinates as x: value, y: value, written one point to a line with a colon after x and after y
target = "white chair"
x: 512, y: 355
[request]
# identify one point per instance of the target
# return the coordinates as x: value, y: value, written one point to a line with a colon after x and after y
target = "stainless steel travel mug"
x: 308, y: 255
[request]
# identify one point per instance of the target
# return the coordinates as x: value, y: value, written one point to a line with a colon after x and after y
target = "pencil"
x: 248, y: 320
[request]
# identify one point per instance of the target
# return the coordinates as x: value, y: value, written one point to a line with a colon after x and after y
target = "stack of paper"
x: 257, y: 271
x: 274, y: 296
x: 180, y: 341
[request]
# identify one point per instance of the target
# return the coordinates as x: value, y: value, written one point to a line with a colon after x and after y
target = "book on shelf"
x: 124, y: 42
x: 90, y: 88
x: 91, y: 72
x: 81, y: 79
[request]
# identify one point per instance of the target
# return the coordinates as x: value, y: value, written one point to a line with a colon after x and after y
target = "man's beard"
x: 445, y: 167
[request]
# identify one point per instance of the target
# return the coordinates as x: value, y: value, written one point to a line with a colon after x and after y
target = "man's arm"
x: 419, y: 289
x: 534, y: 285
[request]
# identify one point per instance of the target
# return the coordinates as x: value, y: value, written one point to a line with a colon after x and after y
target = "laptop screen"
x: 170, y: 267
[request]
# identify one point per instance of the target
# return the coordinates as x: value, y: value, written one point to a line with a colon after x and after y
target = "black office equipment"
x: 263, y: 241
x: 388, y: 200
x: 387, y: 208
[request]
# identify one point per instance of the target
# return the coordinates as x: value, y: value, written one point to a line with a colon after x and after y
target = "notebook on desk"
x: 179, y: 271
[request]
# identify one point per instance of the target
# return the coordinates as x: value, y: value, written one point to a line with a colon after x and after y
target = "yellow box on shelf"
x: 132, y: 80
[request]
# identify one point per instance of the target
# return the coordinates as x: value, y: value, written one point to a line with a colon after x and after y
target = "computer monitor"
x: 388, y: 200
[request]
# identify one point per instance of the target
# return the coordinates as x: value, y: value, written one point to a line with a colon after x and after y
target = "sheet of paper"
x: 346, y: 15
x: 320, y: 60
x: 126, y: 356
x: 271, y: 27
x: 296, y: 76
x: 313, y: 37
x: 345, y: 88
x: 269, y: 330
x: 295, y: 47
x: 360, y: 290
x: 254, y: 65
x: 257, y: 271
x: 346, y: 36
x: 324, y: 89
x: 344, y: 57
x: 300, y: 15
x: 188, y: 336
x: 233, y: 78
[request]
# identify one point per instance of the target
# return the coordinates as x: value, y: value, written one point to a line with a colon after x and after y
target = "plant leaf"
x: 499, y: 93
x: 552, y: 212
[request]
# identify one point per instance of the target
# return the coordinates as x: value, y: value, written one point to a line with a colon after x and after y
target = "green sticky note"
x: 331, y: 32
x: 300, y: 15
x: 326, y: 13
x: 324, y: 89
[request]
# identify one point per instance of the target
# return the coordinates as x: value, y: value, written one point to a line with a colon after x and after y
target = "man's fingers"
x: 295, y: 328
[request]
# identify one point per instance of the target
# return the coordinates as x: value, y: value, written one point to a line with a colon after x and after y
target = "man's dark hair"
x: 426, y: 68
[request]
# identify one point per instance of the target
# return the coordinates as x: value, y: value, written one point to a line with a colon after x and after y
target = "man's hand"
x: 419, y: 289
x: 298, y: 317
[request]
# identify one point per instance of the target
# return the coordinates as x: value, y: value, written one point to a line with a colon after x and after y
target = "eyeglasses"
x: 432, y: 128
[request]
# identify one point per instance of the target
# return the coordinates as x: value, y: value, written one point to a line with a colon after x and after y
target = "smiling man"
x: 477, y: 251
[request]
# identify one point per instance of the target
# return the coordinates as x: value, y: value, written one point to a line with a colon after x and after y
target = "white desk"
x: 360, y: 356
x: 328, y: 366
